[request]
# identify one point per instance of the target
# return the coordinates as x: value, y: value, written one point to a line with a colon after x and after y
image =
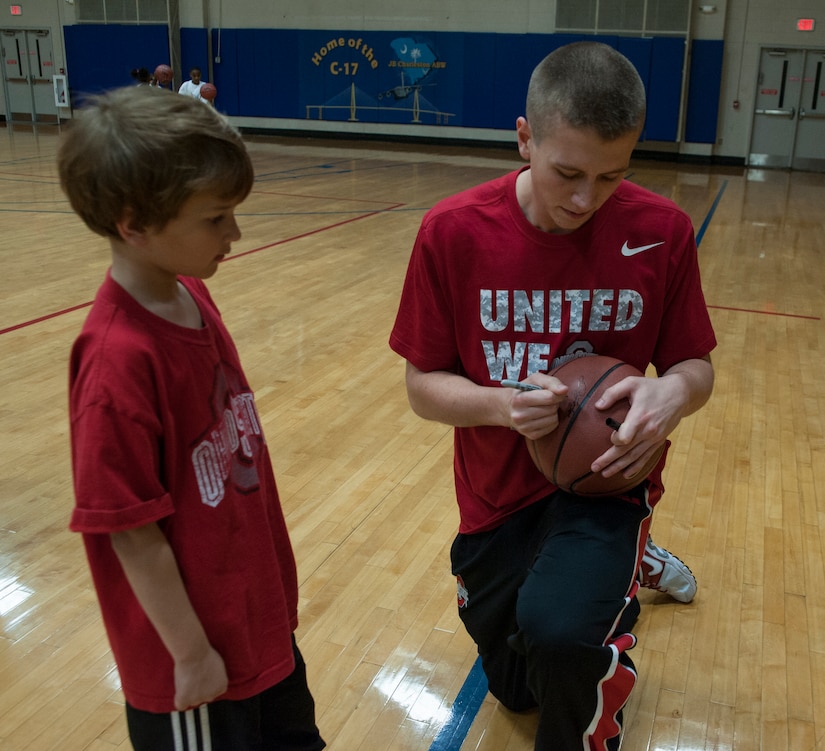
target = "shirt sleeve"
x: 424, y: 330
x: 116, y: 473
x: 687, y: 332
x: 117, y: 432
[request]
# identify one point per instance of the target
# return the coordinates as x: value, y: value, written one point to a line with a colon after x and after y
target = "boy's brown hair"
x: 146, y: 151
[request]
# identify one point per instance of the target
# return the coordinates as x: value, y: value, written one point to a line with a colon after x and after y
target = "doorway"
x: 789, y: 114
x: 28, y: 71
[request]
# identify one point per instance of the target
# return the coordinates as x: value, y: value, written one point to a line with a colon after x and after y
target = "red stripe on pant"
x: 614, y: 692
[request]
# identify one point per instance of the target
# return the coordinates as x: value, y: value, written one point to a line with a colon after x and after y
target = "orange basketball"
x: 163, y: 73
x: 208, y: 91
x: 565, y: 455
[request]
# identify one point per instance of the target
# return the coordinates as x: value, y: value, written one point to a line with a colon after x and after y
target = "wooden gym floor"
x: 310, y: 295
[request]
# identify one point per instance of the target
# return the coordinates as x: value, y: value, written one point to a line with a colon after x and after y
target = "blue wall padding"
x: 478, y: 102
x: 427, y: 78
x: 639, y: 52
x: 194, y: 53
x: 506, y: 86
x: 664, y: 89
x: 101, y: 57
x: 703, y: 91
x: 225, y: 73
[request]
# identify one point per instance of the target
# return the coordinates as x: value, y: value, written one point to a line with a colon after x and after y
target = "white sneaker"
x: 664, y: 572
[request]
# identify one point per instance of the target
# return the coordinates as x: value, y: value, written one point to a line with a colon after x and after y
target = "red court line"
x: 289, y: 194
x: 58, y: 313
x: 306, y: 234
x: 44, y: 318
x: 766, y: 312
x: 341, y: 224
x: 313, y: 232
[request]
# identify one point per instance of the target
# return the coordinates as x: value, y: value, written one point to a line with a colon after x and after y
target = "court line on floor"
x: 711, y: 212
x: 311, y: 232
x: 699, y: 237
x: 463, y: 712
x: 47, y: 317
x: 59, y: 313
x: 766, y: 312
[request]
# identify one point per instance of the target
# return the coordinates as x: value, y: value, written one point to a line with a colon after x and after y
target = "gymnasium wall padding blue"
x: 664, y: 87
x: 639, y: 52
x: 101, y: 57
x: 703, y: 94
x: 194, y: 52
x: 446, y: 78
x: 506, y: 88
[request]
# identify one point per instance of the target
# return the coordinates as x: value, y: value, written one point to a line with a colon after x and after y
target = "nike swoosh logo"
x: 627, y: 251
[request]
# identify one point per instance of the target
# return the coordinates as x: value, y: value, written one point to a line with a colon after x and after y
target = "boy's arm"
x: 455, y: 400
x: 152, y: 570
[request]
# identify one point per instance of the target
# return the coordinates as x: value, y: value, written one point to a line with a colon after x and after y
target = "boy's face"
x: 573, y: 171
x: 195, y: 75
x: 196, y: 240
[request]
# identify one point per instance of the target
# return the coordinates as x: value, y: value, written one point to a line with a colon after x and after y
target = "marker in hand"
x: 519, y: 385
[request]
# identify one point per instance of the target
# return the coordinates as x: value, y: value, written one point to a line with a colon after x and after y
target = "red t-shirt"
x: 489, y: 296
x: 165, y: 429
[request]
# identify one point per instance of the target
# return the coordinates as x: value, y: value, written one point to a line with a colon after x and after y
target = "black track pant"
x: 282, y: 718
x: 549, y: 598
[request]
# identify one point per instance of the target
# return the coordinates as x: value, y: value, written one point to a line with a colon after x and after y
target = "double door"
x: 789, y: 114
x: 28, y: 75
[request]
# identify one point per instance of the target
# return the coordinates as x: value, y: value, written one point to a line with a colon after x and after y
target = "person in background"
x: 142, y: 76
x: 192, y: 87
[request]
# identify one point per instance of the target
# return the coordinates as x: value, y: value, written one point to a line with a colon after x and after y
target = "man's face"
x: 573, y: 171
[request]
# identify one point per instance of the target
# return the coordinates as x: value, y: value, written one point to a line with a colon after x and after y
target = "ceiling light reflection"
x: 411, y: 693
x: 12, y: 593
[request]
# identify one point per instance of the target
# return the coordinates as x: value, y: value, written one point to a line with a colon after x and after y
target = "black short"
x: 282, y: 718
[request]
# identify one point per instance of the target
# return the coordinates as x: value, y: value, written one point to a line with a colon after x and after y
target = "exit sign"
x: 16, y: 10
x: 805, y: 24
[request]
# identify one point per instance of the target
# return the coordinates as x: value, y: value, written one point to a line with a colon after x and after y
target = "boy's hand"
x: 536, y: 413
x: 152, y: 570
x: 199, y: 681
x: 656, y: 407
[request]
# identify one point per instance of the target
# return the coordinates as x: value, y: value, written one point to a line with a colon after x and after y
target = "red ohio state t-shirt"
x: 165, y: 429
x: 489, y: 296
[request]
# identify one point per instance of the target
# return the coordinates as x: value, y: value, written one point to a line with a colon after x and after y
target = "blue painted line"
x: 464, y: 710
x: 713, y: 206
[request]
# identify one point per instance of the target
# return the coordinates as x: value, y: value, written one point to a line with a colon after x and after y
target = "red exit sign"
x: 805, y: 24
x: 16, y: 10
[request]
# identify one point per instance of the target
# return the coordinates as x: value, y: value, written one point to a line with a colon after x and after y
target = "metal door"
x: 809, y: 150
x: 789, y: 113
x: 28, y: 68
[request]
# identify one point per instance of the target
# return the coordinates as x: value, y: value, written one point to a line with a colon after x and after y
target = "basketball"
x: 163, y: 73
x: 208, y: 91
x: 565, y: 455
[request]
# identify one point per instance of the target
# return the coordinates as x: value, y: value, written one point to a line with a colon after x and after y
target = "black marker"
x: 520, y: 386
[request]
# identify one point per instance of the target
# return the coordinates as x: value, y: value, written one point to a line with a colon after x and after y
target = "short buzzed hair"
x: 146, y: 151
x: 587, y: 85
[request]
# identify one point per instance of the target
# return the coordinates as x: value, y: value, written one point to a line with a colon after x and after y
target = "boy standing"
x: 175, y: 494
x: 506, y: 281
x: 193, y: 86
